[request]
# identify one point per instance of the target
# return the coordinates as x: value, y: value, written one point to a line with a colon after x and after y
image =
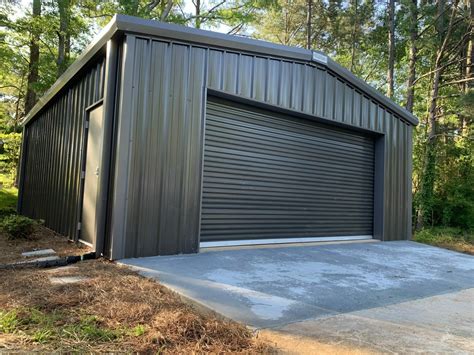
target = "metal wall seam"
x: 121, y: 163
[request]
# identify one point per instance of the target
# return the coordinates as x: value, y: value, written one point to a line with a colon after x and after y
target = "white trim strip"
x: 231, y: 243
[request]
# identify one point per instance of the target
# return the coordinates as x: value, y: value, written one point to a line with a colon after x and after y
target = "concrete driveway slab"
x: 436, y: 325
x: 292, y: 288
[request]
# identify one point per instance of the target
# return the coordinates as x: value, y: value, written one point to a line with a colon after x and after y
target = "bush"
x: 18, y: 226
x: 6, y: 211
x: 10, y: 144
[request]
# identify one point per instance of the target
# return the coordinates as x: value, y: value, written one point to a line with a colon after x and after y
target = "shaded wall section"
x: 52, y: 154
x: 157, y: 207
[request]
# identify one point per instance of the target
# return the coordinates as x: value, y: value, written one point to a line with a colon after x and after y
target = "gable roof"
x: 129, y: 24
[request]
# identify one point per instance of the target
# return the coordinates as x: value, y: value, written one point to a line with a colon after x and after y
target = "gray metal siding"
x: 159, y: 171
x: 274, y: 176
x: 164, y: 101
x: 50, y: 187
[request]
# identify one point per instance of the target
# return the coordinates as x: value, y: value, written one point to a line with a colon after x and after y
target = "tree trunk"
x: 63, y: 37
x: 354, y: 34
x: 391, y: 47
x: 412, y: 55
x: 309, y: 17
x: 197, y: 13
x: 429, y: 171
x: 467, y: 67
x: 30, y: 97
x: 470, y: 49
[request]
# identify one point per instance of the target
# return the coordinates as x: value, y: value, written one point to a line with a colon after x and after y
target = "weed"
x: 42, y: 335
x: 450, y: 238
x: 9, y: 321
x: 138, y: 330
x: 88, y: 329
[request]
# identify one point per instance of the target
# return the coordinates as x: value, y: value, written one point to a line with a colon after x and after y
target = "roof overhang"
x: 129, y: 24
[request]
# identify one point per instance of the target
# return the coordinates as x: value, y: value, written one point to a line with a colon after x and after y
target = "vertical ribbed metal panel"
x: 167, y: 112
x: 163, y: 182
x: 272, y: 176
x: 53, y: 142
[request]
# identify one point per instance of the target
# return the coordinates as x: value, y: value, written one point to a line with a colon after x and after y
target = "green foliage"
x: 18, y: 226
x: 43, y: 327
x: 6, y: 211
x: 138, y: 330
x: 8, y: 198
x: 90, y: 329
x: 9, y: 321
x: 10, y: 144
x: 42, y: 336
x: 438, y: 236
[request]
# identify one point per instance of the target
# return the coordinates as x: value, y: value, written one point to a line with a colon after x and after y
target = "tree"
x: 391, y: 47
x: 64, y: 36
x: 33, y: 63
x: 412, y: 10
x: 309, y: 19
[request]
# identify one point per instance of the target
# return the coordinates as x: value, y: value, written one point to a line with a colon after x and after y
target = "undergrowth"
x: 446, y: 237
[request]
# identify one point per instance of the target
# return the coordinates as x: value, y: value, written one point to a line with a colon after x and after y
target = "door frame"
x: 84, y: 146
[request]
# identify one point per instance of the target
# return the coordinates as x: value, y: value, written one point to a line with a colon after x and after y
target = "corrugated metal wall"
x: 53, y: 143
x: 166, y: 108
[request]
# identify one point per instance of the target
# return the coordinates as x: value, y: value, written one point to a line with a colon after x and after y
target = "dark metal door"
x: 268, y: 175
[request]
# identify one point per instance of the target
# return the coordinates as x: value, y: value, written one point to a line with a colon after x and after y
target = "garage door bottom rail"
x: 231, y: 243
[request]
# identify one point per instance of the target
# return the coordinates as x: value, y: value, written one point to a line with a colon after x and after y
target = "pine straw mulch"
x: 42, y: 238
x: 459, y: 246
x: 124, y: 312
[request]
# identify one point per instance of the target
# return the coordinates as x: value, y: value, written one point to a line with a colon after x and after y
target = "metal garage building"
x: 162, y: 138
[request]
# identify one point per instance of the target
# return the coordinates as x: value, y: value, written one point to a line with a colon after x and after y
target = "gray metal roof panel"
x: 129, y: 24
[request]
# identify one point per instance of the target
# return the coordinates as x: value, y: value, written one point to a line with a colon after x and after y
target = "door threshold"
x: 250, y: 242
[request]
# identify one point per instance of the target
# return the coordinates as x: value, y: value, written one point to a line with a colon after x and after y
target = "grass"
x: 446, y: 237
x: 8, y: 193
x: 8, y: 197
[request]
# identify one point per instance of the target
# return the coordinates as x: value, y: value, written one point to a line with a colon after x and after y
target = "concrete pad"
x: 42, y: 252
x: 439, y: 324
x: 393, y: 297
x: 271, y: 287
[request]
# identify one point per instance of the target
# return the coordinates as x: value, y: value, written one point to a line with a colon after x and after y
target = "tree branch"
x: 456, y: 82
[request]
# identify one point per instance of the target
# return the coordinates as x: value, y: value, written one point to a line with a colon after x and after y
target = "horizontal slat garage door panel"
x: 271, y: 176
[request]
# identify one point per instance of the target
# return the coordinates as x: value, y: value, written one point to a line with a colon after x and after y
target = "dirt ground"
x: 110, y: 309
x: 42, y: 238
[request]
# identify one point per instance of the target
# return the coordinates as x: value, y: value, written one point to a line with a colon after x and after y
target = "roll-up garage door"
x: 268, y: 175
